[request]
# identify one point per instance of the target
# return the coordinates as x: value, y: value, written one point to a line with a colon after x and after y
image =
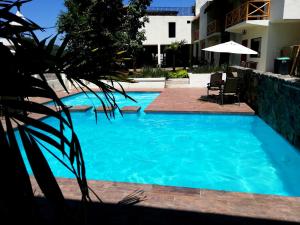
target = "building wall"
x: 291, y: 9
x: 285, y: 9
x: 203, y: 24
x: 197, y: 6
x: 280, y: 35
x: 256, y: 32
x: 157, y: 29
x: 277, y: 8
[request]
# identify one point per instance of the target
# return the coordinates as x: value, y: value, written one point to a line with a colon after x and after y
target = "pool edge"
x: 235, y: 204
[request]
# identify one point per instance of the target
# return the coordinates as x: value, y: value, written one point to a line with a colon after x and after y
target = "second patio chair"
x: 215, y: 82
x: 230, y: 88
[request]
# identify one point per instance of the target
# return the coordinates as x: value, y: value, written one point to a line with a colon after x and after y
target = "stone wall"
x: 275, y: 98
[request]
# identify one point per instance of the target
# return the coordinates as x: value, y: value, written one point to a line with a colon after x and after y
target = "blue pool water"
x: 218, y: 152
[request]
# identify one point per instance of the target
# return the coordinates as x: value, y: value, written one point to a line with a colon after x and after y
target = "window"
x: 172, y: 30
x: 188, y: 21
x: 256, y: 46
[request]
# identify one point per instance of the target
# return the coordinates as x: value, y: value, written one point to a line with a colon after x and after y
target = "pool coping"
x: 235, y: 204
x: 198, y: 112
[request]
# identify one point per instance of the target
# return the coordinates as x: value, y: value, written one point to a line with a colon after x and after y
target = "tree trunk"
x: 174, y: 62
x: 134, y: 64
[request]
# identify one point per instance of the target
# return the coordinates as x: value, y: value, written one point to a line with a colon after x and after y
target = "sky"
x: 45, y: 12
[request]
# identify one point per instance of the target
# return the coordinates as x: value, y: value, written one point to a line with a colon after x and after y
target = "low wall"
x: 201, y: 80
x: 275, y: 98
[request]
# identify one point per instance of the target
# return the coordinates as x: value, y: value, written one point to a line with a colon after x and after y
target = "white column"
x: 158, y: 56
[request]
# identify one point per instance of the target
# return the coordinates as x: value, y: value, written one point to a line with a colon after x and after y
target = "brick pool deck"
x: 188, y: 100
x: 249, y: 208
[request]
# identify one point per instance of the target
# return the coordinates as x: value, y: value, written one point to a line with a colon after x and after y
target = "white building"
x: 202, y: 37
x: 271, y: 33
x: 167, y: 25
x: 267, y: 26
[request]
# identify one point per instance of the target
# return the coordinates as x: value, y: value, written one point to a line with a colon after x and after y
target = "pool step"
x: 108, y: 109
x: 177, y: 83
x: 58, y: 108
x: 130, y: 109
x: 80, y: 108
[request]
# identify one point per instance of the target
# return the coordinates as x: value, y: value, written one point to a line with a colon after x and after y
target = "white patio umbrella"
x: 231, y: 47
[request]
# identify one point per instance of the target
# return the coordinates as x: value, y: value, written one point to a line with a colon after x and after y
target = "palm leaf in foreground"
x: 25, y: 77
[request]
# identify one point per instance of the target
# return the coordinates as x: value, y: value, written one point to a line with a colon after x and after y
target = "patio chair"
x: 232, y: 74
x: 230, y: 88
x: 215, y: 82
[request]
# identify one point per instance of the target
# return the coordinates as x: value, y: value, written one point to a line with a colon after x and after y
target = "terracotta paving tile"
x: 195, y: 200
x: 130, y: 109
x: 188, y: 100
x: 108, y: 109
x: 80, y: 108
x: 55, y: 108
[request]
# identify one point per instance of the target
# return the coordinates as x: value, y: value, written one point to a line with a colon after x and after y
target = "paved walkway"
x: 204, y: 205
x: 188, y: 100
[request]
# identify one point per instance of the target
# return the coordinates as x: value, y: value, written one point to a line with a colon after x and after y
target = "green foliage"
x: 178, y: 74
x: 174, y: 48
x: 132, y: 33
x: 94, y: 29
x: 208, y: 69
x: 149, y: 72
x: 154, y: 72
x: 103, y: 28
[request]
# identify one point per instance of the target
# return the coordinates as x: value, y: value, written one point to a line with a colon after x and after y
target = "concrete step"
x: 178, y: 81
x: 178, y: 86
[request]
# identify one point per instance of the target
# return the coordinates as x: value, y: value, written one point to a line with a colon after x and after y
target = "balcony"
x: 213, y: 27
x: 250, y: 10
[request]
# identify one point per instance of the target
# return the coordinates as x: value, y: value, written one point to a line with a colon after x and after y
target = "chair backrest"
x: 232, y: 74
x: 216, y: 79
x: 231, y: 85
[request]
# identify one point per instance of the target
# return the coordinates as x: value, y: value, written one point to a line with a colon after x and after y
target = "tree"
x: 133, y: 35
x: 93, y: 26
x: 174, y: 48
x: 103, y: 27
x: 19, y: 82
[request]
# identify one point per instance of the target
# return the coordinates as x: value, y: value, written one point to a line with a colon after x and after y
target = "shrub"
x: 178, y: 74
x: 208, y: 69
x: 149, y: 72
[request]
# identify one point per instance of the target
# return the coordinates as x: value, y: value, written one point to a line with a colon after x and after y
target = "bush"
x: 208, y: 69
x: 178, y: 74
x: 149, y: 72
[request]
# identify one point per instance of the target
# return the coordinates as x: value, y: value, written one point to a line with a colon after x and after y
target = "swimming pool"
x: 218, y: 152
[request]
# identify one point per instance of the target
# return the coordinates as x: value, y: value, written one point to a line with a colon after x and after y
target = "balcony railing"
x: 213, y: 27
x: 250, y: 10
